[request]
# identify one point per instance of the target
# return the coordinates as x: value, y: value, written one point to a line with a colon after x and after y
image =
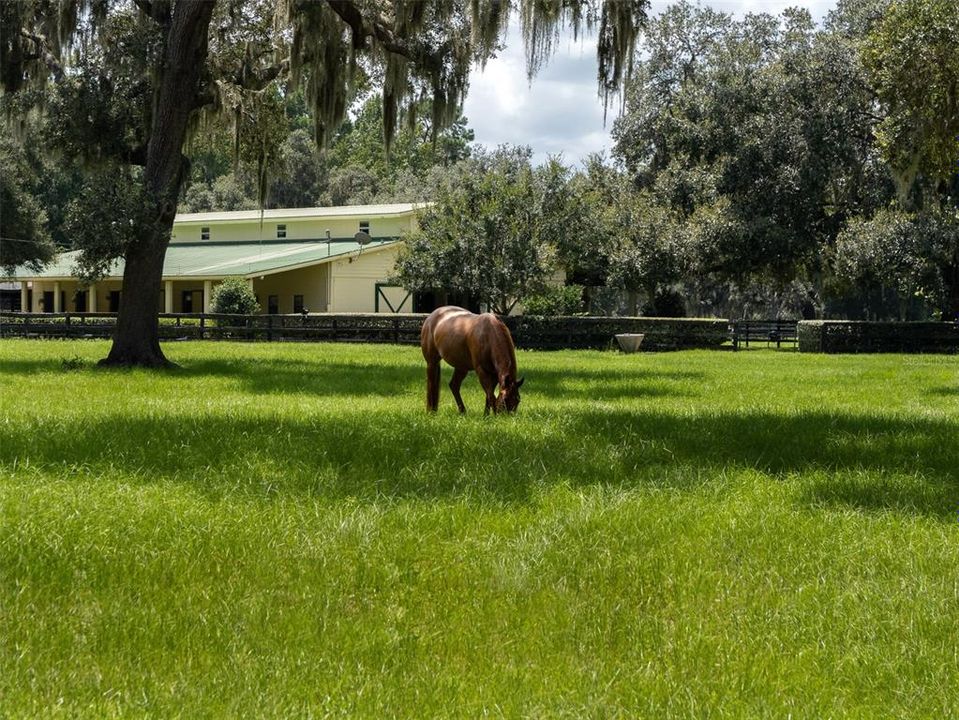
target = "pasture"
x: 282, y: 531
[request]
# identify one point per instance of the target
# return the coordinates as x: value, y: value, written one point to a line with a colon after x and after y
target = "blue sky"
x: 560, y: 113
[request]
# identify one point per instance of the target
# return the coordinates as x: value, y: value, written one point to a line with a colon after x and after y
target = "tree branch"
x: 377, y: 27
x: 42, y: 52
x: 250, y: 78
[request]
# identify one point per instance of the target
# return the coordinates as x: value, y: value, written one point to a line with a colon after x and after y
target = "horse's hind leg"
x: 432, y: 385
x: 455, y: 383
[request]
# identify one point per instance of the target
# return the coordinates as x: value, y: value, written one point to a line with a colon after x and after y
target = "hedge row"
x: 547, y: 333
x: 844, y: 336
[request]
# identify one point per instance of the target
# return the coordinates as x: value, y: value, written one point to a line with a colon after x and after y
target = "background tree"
x: 488, y: 234
x: 145, y: 74
x: 651, y: 257
x: 916, y: 255
x: 757, y: 134
x: 24, y: 237
x: 912, y: 55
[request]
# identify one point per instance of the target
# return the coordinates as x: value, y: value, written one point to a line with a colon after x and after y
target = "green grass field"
x: 282, y: 531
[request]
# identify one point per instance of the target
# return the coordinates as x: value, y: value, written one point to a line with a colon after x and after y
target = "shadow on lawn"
x: 334, y: 377
x: 883, y: 463
x: 385, y: 378
x: 906, y: 465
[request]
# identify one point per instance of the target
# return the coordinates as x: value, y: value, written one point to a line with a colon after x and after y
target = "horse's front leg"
x: 455, y: 384
x: 489, y: 385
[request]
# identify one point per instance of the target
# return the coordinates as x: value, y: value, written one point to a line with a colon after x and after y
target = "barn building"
x: 331, y: 259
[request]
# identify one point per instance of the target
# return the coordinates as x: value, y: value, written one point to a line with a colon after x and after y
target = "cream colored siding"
x: 312, y: 283
x: 194, y: 286
x: 309, y: 229
x: 354, y: 283
x: 69, y: 288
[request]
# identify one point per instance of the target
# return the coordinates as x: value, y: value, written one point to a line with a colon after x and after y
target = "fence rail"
x: 403, y: 328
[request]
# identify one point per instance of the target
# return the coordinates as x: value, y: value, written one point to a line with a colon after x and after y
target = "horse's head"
x: 508, y: 398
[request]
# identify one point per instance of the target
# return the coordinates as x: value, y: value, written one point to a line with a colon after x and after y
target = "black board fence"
x: 404, y: 328
x: 541, y: 333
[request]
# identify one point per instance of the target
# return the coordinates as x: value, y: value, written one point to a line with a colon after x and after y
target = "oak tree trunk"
x: 137, y: 340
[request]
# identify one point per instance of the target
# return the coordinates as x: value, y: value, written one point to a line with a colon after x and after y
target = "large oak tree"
x: 131, y: 80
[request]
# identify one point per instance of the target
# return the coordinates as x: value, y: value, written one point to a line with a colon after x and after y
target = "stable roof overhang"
x: 214, y: 261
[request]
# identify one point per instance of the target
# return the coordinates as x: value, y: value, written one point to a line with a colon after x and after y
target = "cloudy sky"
x: 560, y: 112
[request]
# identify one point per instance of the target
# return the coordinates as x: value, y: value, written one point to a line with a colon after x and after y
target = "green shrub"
x: 234, y: 296
x: 555, y: 300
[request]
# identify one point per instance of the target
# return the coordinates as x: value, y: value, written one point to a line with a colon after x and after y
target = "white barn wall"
x: 353, y: 284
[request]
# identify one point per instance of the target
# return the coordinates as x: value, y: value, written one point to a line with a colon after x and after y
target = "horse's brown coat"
x: 466, y: 341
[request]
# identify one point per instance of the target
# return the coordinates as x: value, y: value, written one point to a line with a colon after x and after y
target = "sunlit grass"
x: 281, y: 530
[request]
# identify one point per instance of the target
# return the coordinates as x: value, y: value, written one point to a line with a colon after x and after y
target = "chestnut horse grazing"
x: 470, y: 342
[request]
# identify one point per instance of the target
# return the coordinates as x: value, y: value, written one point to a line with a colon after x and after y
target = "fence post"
x: 269, y: 328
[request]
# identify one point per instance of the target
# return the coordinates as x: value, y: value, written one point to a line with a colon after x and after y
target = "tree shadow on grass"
x: 297, y: 377
x: 331, y: 377
x: 873, y: 492
x: 611, y: 384
x: 864, y: 462
x: 385, y: 378
x: 399, y: 454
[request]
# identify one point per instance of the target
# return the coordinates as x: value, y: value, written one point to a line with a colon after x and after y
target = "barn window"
x: 205, y: 233
x: 365, y: 226
x: 280, y: 232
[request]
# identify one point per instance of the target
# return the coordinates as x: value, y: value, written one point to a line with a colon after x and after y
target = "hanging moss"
x: 411, y: 50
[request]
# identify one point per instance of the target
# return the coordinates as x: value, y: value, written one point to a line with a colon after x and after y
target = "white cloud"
x: 560, y: 112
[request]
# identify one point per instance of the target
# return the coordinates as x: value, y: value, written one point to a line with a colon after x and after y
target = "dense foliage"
x: 754, y: 145
x: 24, y: 236
x: 486, y: 235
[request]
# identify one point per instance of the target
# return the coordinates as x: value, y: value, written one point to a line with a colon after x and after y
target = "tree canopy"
x: 762, y: 141
x: 488, y: 233
x: 128, y: 82
x: 24, y: 237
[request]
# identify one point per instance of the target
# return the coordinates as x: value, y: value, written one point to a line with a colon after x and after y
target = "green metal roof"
x: 214, y: 260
